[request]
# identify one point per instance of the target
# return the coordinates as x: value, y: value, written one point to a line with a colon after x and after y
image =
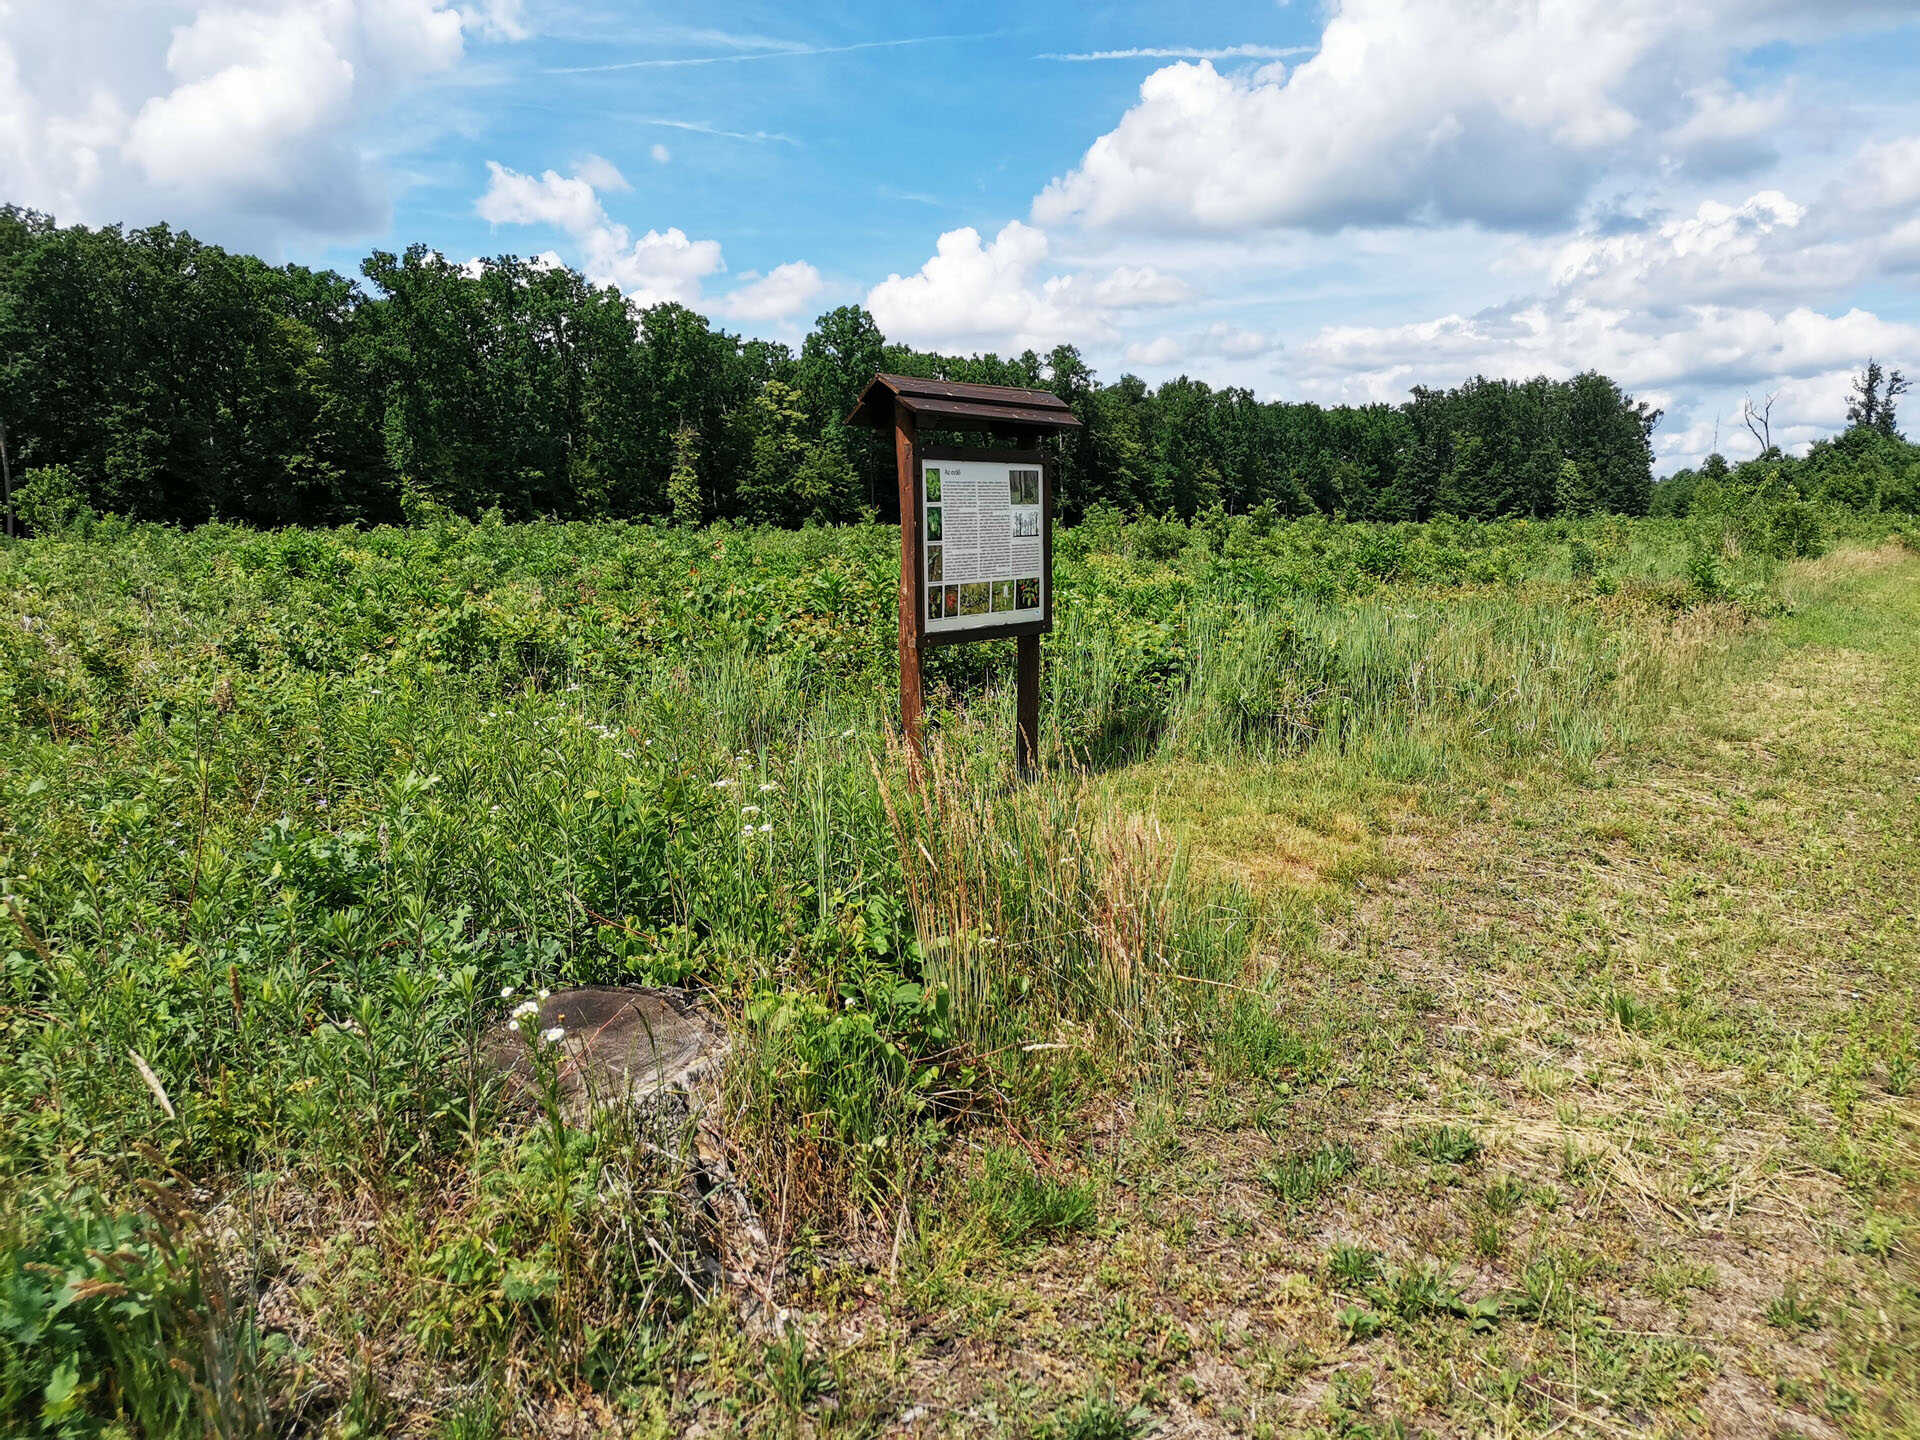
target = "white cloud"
x: 1729, y: 131
x: 973, y: 294
x: 1884, y: 177
x: 1127, y: 286
x: 1232, y: 341
x: 567, y: 203
x: 1163, y: 350
x: 661, y: 155
x: 1500, y: 114
x: 602, y: 174
x: 497, y: 19
x: 783, y: 293
x: 659, y: 266
x: 249, y: 114
x: 1220, y: 340
x: 1761, y: 247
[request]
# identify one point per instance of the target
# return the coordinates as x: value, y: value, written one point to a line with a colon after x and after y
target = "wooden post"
x: 910, y: 599
x: 1026, y: 704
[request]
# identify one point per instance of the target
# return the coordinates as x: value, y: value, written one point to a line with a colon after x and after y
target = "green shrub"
x: 51, y: 499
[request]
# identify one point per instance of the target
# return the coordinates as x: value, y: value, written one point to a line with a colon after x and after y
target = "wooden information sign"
x: 976, y: 529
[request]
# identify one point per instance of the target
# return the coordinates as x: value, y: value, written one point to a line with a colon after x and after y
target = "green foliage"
x: 684, y: 500
x: 1353, y: 1266
x: 180, y: 382
x: 1019, y: 1204
x: 1445, y: 1145
x: 109, y: 1317
x: 1097, y: 1416
x: 1300, y: 1178
x: 286, y: 811
x: 1790, y: 1311
x: 52, y: 499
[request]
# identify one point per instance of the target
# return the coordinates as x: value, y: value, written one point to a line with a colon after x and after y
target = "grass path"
x: 1598, y: 1117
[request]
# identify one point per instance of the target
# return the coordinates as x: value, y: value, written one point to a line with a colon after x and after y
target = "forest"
x: 171, y: 380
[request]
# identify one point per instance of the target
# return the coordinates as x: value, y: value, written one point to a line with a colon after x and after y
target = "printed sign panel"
x: 983, y: 525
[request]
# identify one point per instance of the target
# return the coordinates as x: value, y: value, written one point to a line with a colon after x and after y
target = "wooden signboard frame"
x: 901, y: 403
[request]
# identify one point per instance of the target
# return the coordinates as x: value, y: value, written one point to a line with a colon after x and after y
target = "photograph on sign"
x: 983, y: 531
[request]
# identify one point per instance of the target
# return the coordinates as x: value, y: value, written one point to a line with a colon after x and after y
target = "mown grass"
x: 1594, y: 1117
x: 290, y: 819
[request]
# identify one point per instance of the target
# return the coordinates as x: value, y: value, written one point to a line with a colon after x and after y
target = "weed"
x: 1505, y: 1195
x: 1357, y: 1323
x: 1881, y: 1235
x: 1547, y: 1292
x: 1097, y: 1416
x: 1297, y: 1179
x: 1020, y: 1205
x: 1630, y: 1013
x: 1789, y: 1311
x: 1445, y: 1145
x: 1353, y: 1266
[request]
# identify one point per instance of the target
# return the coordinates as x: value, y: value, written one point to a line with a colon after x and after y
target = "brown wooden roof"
x: 951, y: 405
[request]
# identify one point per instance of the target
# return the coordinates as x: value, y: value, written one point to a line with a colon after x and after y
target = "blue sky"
x: 1332, y: 202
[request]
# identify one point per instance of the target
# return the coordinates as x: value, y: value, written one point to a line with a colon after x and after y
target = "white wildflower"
x: 746, y: 829
x: 724, y: 783
x: 506, y: 992
x: 555, y: 1035
x: 524, y: 1009
x: 766, y: 829
x: 749, y: 809
x: 768, y: 787
x: 847, y: 734
x: 544, y: 994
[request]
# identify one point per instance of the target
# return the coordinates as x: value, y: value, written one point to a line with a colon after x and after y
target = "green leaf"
x: 62, y: 1395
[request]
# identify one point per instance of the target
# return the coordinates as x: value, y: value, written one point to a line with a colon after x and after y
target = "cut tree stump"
x: 655, y: 1051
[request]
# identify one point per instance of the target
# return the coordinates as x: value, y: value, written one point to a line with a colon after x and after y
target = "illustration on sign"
x: 985, y: 558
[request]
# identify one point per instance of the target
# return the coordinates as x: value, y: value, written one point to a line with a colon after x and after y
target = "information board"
x: 985, y: 545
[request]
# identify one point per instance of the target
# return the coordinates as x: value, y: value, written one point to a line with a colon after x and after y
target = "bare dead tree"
x: 1759, y: 420
x: 6, y: 476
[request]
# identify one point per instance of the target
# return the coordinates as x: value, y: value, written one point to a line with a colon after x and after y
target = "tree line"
x: 1868, y: 466
x: 145, y: 373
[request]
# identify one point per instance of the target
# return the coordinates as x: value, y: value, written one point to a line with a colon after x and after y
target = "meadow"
x: 289, y: 819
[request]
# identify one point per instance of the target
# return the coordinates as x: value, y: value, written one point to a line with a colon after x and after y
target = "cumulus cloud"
x: 970, y: 292
x: 1729, y: 132
x: 659, y: 266
x: 783, y: 293
x: 1761, y: 247
x: 974, y: 294
x: 1884, y: 177
x: 567, y: 202
x: 1453, y: 110
x: 1220, y: 340
x: 1614, y: 306
x: 251, y: 111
